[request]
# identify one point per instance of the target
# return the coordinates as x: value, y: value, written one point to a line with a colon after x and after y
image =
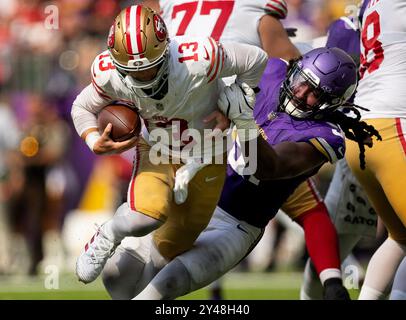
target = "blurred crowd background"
x: 51, y: 185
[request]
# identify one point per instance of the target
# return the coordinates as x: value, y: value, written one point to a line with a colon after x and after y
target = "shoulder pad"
x: 101, y: 72
x: 202, y: 55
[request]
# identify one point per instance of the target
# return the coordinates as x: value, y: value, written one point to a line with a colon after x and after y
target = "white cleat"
x: 91, y: 262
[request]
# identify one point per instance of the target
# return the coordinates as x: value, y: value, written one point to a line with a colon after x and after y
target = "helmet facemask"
x: 303, y: 79
x: 297, y: 106
x: 151, y: 87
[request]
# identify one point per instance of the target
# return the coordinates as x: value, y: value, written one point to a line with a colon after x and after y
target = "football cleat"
x: 334, y: 290
x: 91, y: 262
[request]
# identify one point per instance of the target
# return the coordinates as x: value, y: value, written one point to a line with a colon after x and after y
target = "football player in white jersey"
x: 381, y: 90
x: 257, y: 22
x: 305, y: 206
x: 169, y: 81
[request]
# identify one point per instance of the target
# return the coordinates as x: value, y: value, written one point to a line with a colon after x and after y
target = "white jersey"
x: 233, y: 20
x: 383, y: 60
x: 195, y: 65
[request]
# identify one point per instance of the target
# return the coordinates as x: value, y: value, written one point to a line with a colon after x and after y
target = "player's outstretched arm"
x: 286, y: 160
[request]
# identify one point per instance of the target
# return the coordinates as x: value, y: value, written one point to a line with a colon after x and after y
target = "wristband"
x: 91, y: 139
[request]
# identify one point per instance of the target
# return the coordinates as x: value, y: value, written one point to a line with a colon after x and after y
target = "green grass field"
x: 244, y: 286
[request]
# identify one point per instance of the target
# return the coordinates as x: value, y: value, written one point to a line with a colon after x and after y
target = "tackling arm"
x: 286, y: 160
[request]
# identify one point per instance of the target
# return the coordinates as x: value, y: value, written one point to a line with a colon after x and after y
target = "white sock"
x: 329, y: 273
x: 381, y: 270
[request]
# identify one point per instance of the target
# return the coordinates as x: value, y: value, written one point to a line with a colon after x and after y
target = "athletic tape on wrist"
x: 91, y: 139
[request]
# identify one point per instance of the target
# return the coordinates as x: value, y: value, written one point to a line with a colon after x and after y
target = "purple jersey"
x: 256, y: 202
x: 343, y: 34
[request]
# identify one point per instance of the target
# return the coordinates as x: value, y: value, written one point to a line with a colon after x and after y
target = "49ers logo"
x: 110, y: 39
x: 160, y: 28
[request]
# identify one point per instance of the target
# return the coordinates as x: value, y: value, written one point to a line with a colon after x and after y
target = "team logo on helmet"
x: 160, y: 28
x: 110, y: 38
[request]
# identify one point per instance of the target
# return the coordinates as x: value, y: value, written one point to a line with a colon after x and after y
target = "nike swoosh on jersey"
x: 208, y: 179
x: 241, y: 228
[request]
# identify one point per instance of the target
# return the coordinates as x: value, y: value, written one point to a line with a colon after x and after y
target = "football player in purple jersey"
x: 299, y: 130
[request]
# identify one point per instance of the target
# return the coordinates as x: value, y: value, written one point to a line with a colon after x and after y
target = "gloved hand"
x: 182, y: 178
x: 237, y: 103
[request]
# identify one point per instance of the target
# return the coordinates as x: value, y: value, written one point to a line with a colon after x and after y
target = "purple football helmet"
x: 329, y: 76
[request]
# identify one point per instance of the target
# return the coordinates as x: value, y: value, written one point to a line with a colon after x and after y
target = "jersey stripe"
x: 131, y: 192
x: 100, y: 91
x: 213, y: 56
x: 401, y: 135
x: 332, y: 154
x: 314, y: 190
x: 280, y: 4
x: 319, y: 146
x: 278, y: 10
x: 277, y: 7
x: 218, y: 63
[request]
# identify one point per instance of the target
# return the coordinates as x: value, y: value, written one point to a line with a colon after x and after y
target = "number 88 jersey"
x: 224, y: 20
x: 383, y: 60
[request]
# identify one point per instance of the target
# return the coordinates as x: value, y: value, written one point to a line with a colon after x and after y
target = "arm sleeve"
x: 246, y: 61
x: 276, y: 8
x: 85, y: 108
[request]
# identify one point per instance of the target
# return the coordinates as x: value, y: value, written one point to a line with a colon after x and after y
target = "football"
x: 124, y: 119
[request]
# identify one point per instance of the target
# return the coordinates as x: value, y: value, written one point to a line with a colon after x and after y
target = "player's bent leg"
x: 311, y: 287
x: 130, y: 269
x: 121, y: 272
x: 306, y: 207
x: 150, y: 200
x: 103, y: 244
x: 385, y: 164
x: 218, y: 249
x: 187, y: 221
